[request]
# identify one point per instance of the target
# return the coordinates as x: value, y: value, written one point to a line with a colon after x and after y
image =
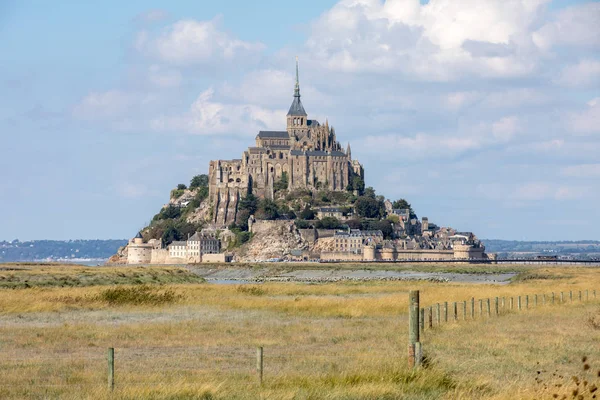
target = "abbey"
x: 307, y: 154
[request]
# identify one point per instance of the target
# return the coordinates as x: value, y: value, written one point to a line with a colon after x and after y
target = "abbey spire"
x: 296, y: 109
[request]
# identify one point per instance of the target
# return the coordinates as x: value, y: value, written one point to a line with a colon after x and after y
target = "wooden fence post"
x: 571, y: 296
x: 488, y: 307
x: 259, y: 364
x: 413, y: 328
x: 587, y: 295
x: 422, y: 320
x: 552, y: 298
x: 562, y: 298
x: 535, y: 300
x: 455, y: 311
x: 594, y: 293
x: 480, y: 308
x: 418, y: 354
x: 430, y: 317
x: 544, y: 299
x: 473, y: 307
x: 496, y: 304
x: 580, y: 296
x: 526, y: 301
x: 503, y: 302
x: 438, y: 314
x: 445, y: 311
x: 519, y: 303
x: 512, y: 301
x: 464, y: 310
x: 111, y: 368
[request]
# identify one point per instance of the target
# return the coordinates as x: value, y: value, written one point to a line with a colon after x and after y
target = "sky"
x: 483, y: 114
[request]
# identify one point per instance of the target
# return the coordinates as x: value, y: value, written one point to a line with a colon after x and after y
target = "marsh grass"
x: 137, y: 295
x: 344, y: 340
x: 49, y: 275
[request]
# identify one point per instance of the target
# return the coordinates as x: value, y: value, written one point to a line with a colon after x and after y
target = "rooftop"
x: 273, y: 134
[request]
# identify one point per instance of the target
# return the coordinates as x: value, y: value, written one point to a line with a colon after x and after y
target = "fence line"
x: 582, y: 296
x: 501, y: 306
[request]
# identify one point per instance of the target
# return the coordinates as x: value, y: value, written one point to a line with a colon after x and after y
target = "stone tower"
x: 296, y: 116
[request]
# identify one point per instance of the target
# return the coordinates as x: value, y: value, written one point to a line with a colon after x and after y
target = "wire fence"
x: 441, y: 313
x: 29, y: 372
x: 435, y: 316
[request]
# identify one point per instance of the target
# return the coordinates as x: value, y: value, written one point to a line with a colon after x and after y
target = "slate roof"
x: 257, y: 149
x: 279, y: 147
x: 273, y: 134
x: 297, y: 108
x: 330, y: 209
x: 178, y: 243
x: 312, y: 122
x: 297, y: 153
x: 195, y: 238
x: 139, y: 236
x: 338, y: 154
x: 317, y: 153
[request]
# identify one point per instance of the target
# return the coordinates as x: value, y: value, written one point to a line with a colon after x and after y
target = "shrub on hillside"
x: 199, y: 181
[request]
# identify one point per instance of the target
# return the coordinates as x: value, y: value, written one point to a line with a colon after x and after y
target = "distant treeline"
x: 561, y: 247
x: 58, y: 249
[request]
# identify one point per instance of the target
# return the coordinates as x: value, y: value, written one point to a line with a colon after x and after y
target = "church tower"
x: 296, y: 116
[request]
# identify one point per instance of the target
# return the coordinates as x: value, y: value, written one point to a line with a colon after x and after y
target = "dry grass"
x: 334, y: 341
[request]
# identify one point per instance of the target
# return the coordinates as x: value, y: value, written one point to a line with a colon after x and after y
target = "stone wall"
x: 139, y: 253
x: 340, y: 256
x: 309, y: 235
x: 216, y: 258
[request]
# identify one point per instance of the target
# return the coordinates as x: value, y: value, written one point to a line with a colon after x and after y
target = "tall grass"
x: 342, y: 340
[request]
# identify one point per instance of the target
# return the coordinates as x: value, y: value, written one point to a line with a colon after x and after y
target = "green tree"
x: 368, y: 207
x: 282, y: 183
x: 267, y: 209
x: 328, y: 223
x: 241, y: 219
x: 358, y: 184
x: 384, y: 226
x: 168, y: 212
x: 403, y: 204
x: 198, y: 181
x: 307, y: 213
x: 181, y: 186
x: 250, y: 203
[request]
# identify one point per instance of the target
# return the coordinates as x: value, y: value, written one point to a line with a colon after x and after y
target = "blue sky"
x: 485, y: 115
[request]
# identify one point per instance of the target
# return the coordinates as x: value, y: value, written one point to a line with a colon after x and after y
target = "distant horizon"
x: 482, y: 239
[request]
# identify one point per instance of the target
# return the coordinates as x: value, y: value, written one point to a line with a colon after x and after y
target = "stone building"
x: 307, y: 153
x: 139, y: 252
x: 201, y: 247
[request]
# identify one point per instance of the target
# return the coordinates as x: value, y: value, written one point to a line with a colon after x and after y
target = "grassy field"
x: 177, y: 337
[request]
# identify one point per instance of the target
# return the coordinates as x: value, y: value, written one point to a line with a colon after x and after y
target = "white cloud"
x: 446, y: 144
x: 164, y: 78
x: 574, y: 26
x: 189, y: 42
x: 440, y: 40
x: 582, y: 171
x: 109, y: 104
x: 587, y: 121
x: 584, y: 73
x: 505, y: 128
x: 209, y: 117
